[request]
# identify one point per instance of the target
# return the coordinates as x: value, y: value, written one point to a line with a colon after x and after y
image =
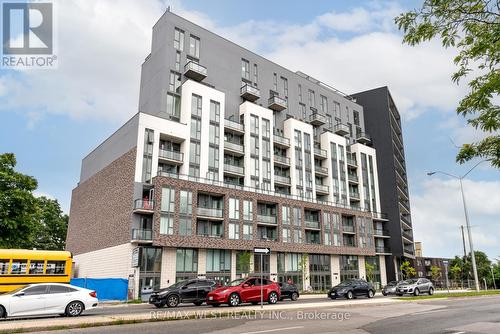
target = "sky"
x: 52, y: 118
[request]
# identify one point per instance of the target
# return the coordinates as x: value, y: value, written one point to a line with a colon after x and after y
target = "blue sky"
x: 52, y: 118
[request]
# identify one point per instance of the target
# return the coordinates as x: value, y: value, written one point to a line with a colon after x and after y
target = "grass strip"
x: 454, y: 295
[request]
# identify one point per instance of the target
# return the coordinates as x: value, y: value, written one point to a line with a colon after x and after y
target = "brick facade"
x: 101, y: 207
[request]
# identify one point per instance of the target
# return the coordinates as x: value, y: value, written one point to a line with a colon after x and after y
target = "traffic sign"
x: 260, y: 250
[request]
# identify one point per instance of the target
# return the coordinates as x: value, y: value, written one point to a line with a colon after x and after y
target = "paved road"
x: 464, y: 316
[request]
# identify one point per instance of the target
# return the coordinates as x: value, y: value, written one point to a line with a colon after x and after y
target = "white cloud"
x: 437, y: 214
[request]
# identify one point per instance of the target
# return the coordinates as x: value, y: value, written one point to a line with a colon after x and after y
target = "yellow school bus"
x: 19, y: 267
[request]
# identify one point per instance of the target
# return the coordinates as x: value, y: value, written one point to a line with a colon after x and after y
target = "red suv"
x: 245, y: 290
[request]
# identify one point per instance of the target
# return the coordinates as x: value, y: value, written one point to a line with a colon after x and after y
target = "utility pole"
x: 463, y: 241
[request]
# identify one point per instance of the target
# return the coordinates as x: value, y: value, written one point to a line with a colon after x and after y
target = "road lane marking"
x: 274, y: 330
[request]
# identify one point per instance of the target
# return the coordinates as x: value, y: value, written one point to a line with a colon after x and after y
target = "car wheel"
x: 349, y: 295
x: 431, y: 291
x: 3, y: 314
x: 172, y: 301
x: 416, y: 292
x: 160, y: 304
x: 384, y: 293
x: 333, y: 297
x: 234, y: 299
x: 371, y: 293
x: 273, y: 298
x: 294, y: 296
x: 74, y: 309
x: 198, y: 303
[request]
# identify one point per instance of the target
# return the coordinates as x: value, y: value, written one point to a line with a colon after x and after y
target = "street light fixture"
x: 469, y: 233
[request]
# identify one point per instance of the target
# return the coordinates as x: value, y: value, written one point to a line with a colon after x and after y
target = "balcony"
x: 209, y: 235
x: 363, y: 138
x: 234, y: 169
x: 142, y: 235
x: 382, y: 250
x: 341, y: 129
x: 249, y: 93
x: 406, y: 221
x: 320, y: 153
x: 381, y: 233
x: 351, y: 162
x: 143, y: 206
x: 320, y: 171
x: 322, y: 189
x: 276, y: 103
x: 234, y: 147
x: 281, y: 160
x: 234, y: 126
x: 408, y: 235
x: 354, y: 195
x: 314, y: 224
x: 195, y: 71
x: 281, y: 141
x: 266, y: 219
x: 317, y: 119
x: 171, y: 156
x: 210, y: 213
x: 352, y: 178
x: 348, y: 229
x: 380, y: 216
x: 283, y: 180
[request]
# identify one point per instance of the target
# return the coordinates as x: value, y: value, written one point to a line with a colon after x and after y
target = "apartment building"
x: 383, y: 122
x: 230, y: 151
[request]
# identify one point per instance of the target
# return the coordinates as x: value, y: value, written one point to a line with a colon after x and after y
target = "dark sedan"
x: 352, y: 288
x: 289, y: 291
x: 190, y: 291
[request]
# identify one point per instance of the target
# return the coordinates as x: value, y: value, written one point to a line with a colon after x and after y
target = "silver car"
x: 415, y: 286
x: 390, y: 288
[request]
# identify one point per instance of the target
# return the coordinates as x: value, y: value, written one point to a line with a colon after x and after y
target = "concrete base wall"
x: 383, y: 273
x: 168, y: 260
x: 111, y: 262
x: 335, y: 269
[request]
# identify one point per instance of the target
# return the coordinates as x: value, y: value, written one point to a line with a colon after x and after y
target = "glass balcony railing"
x: 210, y: 212
x: 282, y: 179
x: 142, y: 234
x: 280, y: 140
x: 265, y: 218
x: 230, y: 124
x: 249, y: 92
x: 382, y: 249
x: 238, y: 147
x: 321, y: 170
x: 234, y: 169
x: 312, y: 223
x: 322, y: 188
x: 352, y: 177
x: 320, y: 152
x: 195, y: 71
x: 380, y: 232
x: 171, y: 155
x: 348, y: 228
x: 281, y: 160
x: 277, y: 103
x: 144, y: 204
x: 341, y: 129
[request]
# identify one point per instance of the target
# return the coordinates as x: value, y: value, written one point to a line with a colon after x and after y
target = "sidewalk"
x: 153, y: 314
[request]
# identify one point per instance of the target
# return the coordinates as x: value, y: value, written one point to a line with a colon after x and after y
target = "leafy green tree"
x: 472, y: 27
x: 303, y: 267
x: 455, y: 272
x: 407, y: 270
x: 51, y: 225
x: 435, y: 273
x: 370, y: 269
x: 243, y: 261
x: 18, y: 206
x: 482, y: 263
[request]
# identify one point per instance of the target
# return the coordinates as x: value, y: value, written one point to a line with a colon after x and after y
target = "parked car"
x: 47, y: 298
x: 390, y: 288
x: 415, y: 286
x: 245, y: 290
x: 289, y: 291
x: 189, y: 291
x: 352, y: 288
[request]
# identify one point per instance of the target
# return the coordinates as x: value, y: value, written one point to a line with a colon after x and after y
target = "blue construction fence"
x: 106, y: 288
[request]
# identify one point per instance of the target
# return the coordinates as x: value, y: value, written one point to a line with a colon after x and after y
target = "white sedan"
x: 45, y: 299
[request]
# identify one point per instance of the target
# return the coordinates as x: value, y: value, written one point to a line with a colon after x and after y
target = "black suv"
x: 289, y: 291
x: 191, y: 291
x: 351, y: 289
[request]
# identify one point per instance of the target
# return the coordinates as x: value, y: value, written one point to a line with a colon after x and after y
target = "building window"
x: 166, y: 224
x: 173, y: 106
x: 284, y: 83
x: 185, y: 226
x: 254, y: 167
x: 254, y: 145
x: 147, y: 155
x: 194, y: 153
x: 275, y: 82
x: 255, y: 75
x: 266, y: 171
x: 254, y: 125
x: 196, y: 101
x: 285, y: 215
x: 355, y: 116
x: 213, y: 134
x: 245, y: 69
x: 177, y: 60
x: 266, y: 128
x: 234, y: 208
x: 186, y: 202
x: 214, y: 111
x: 297, y: 216
x: 186, y: 260
x: 302, y: 111
x: 175, y: 82
x: 266, y: 148
x: 247, y: 210
x: 194, y: 170
x: 336, y: 110
x: 167, y: 199
x: 213, y: 157
x: 195, y: 128
x: 286, y: 234
x: 218, y: 260
x: 234, y: 231
x: 312, y: 98
x: 324, y: 104
x: 348, y: 267
x: 300, y: 93
x: 179, y: 39
x: 297, y: 236
x: 194, y: 46
x: 247, y: 231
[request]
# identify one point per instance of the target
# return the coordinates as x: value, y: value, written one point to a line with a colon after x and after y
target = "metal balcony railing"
x: 352, y: 177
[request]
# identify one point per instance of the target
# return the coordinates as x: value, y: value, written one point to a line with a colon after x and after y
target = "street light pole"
x: 469, y: 233
x: 493, y: 276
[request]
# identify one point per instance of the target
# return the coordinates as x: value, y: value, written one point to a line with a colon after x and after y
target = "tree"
x: 369, y: 268
x: 482, y: 263
x: 455, y: 272
x: 435, y: 273
x: 18, y: 206
x: 243, y: 261
x: 303, y: 267
x: 51, y: 225
x: 473, y: 28
x: 407, y: 270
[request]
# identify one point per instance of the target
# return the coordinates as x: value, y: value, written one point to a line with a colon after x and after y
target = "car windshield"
x: 176, y: 285
x: 346, y: 283
x: 392, y: 283
x: 236, y: 282
x: 410, y: 281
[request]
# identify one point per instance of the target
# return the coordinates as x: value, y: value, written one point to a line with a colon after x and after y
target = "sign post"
x: 445, y: 262
x: 261, y: 251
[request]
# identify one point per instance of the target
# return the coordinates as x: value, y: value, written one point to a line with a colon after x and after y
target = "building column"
x: 307, y: 274
x: 396, y: 268
x: 362, y: 267
x: 202, y: 263
x: 383, y: 274
x: 335, y: 269
x: 273, y: 267
x: 168, y: 265
x: 233, y: 265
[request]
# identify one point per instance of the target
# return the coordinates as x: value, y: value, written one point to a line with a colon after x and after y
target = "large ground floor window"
x: 349, y: 267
